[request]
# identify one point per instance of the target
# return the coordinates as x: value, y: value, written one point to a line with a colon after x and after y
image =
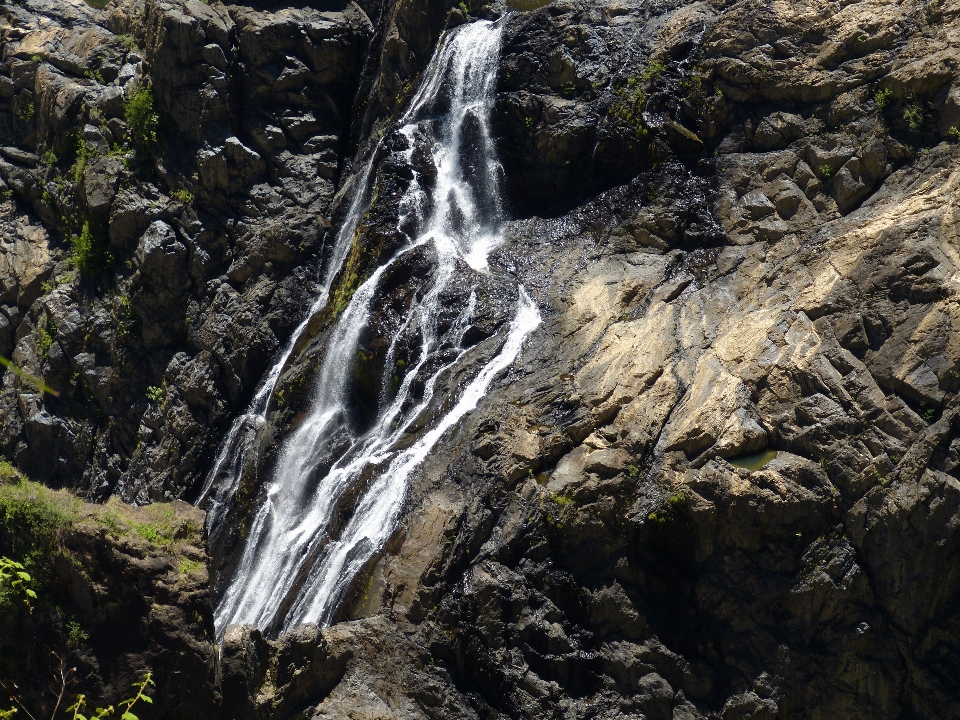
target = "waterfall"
x: 220, y: 485
x: 298, y: 560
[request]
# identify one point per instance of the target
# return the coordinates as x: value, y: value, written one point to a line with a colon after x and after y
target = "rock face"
x: 195, y: 222
x: 737, y: 219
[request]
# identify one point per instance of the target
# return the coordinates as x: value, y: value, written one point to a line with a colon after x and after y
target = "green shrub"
x: 43, y: 342
x: 678, y: 499
x: 89, y: 251
x: 913, y: 116
x: 142, y: 121
x: 76, y: 635
x: 826, y: 171
x: 882, y: 98
x: 125, y: 706
x: 27, y: 112
x: 33, y: 519
x: 155, y: 394
x: 13, y: 575
x: 189, y: 567
x: 182, y: 195
x: 8, y: 473
x: 80, y: 164
x: 49, y: 158
x: 653, y: 70
x: 129, y: 42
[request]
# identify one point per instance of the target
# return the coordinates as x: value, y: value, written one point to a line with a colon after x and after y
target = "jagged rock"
x: 100, y: 183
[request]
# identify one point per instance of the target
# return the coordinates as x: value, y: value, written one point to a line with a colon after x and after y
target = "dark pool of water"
x: 754, y: 462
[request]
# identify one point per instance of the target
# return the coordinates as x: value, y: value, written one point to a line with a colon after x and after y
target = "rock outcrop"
x: 722, y: 479
x: 121, y: 591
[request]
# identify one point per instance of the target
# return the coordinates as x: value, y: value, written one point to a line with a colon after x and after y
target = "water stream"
x: 302, y: 550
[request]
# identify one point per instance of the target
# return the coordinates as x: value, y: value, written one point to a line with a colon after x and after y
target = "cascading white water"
x: 296, y: 564
x: 220, y: 485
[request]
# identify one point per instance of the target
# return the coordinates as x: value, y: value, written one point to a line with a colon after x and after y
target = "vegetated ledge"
x: 120, y: 591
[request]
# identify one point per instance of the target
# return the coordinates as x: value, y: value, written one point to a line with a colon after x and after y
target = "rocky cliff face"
x: 737, y: 221
x: 199, y: 229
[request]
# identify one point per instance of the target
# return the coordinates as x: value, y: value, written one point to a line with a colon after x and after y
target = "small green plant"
x: 568, y: 88
x: 36, y: 58
x: 129, y: 42
x: 49, y: 158
x: 95, y: 76
x: 126, y: 707
x: 826, y: 171
x: 561, y: 500
x: 13, y: 574
x: 463, y: 8
x: 155, y: 394
x: 81, y: 247
x: 659, y: 519
x: 123, y: 315
x: 76, y: 635
x: 189, y: 567
x: 88, y: 251
x: 27, y: 112
x: 882, y: 98
x: 43, y: 342
x: 633, y: 471
x: 182, y: 195
x: 653, y: 70
x: 142, y: 121
x: 678, y: 499
x: 80, y: 164
x: 528, y: 121
x: 954, y: 132
x: 913, y: 116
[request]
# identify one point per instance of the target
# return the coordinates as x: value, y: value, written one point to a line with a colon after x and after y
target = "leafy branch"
x: 12, y: 573
x: 126, y: 706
